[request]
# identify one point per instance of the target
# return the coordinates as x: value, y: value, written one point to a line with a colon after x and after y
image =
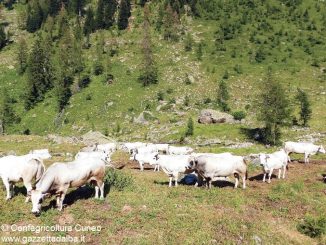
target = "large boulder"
x: 93, y: 137
x: 208, y: 116
x: 144, y: 117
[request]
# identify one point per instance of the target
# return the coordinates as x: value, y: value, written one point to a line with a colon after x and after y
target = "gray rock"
x: 208, y: 116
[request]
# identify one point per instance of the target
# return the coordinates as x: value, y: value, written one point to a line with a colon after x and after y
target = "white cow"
x: 41, y: 153
x: 143, y: 158
x: 144, y: 150
x: 94, y: 154
x: 61, y: 176
x: 307, y: 149
x: 273, y: 161
x: 172, y: 165
x: 224, y: 165
x: 131, y: 146
x: 109, y: 147
x: 164, y: 148
x: 179, y: 150
x: 13, y: 169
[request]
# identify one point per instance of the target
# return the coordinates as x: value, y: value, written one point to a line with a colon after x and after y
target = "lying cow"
x: 24, y: 168
x: 270, y: 162
x: 61, y: 176
x: 210, y: 167
x: 179, y: 150
x: 307, y: 149
x: 173, y: 165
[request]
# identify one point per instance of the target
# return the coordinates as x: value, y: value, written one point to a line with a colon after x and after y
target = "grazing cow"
x: 307, y: 149
x: 273, y: 161
x: 172, y: 165
x: 41, y: 153
x: 131, y: 146
x: 61, y: 176
x: 109, y: 147
x: 13, y: 169
x: 106, y: 157
x: 143, y: 158
x: 164, y: 148
x: 179, y: 150
x: 224, y: 165
x: 144, y: 150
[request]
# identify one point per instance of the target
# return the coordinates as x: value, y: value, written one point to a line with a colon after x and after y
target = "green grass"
x: 158, y: 214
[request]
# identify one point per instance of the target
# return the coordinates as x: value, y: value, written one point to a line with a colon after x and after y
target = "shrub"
x: 239, y: 115
x: 190, y: 128
x: 118, y: 179
x: 226, y: 75
x: 169, y: 91
x: 98, y: 68
x: 207, y: 100
x: 84, y: 81
x: 160, y: 95
x: 313, y: 227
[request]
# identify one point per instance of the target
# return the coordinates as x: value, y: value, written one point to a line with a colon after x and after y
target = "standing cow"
x: 210, y: 167
x: 307, y: 149
x: 61, y: 176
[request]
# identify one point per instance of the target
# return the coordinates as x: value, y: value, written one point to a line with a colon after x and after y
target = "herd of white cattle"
x: 90, y: 164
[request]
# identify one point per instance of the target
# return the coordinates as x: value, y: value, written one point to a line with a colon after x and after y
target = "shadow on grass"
x: 218, y: 183
x: 81, y: 193
x: 260, y: 177
x: 255, y: 134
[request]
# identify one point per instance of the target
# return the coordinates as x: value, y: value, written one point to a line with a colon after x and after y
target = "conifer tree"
x: 39, y: 73
x: 190, y: 128
x: 272, y: 109
x: 34, y: 16
x: 124, y: 14
x: 223, y: 96
x: 149, y: 71
x: 3, y: 37
x: 22, y: 55
x: 89, y: 25
x: 305, y: 107
x: 7, y: 113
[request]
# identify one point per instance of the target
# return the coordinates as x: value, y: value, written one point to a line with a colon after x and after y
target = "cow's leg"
x: 284, y: 169
x: 58, y: 201
x: 279, y: 173
x: 236, y: 180
x: 209, y: 183
x: 96, y: 191
x: 61, y: 198
x: 270, y: 175
x: 102, y: 190
x: 176, y: 179
x: 170, y: 181
x: 264, y: 177
x: 28, y: 185
x: 244, y: 181
x: 7, y: 185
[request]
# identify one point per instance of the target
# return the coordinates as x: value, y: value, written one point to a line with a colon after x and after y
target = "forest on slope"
x: 71, y: 66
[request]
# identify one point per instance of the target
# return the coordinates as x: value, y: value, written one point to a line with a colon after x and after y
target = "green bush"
x: 84, y: 81
x: 118, y: 179
x: 239, y: 115
x: 313, y: 227
x: 98, y: 69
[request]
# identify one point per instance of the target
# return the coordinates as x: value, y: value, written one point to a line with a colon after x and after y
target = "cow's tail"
x: 40, y: 169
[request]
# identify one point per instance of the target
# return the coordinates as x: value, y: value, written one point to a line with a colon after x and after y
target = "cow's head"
x: 321, y: 149
x: 193, y: 162
x: 37, y: 198
x: 263, y: 158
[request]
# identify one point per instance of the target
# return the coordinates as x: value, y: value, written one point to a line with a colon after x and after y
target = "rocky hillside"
x: 235, y: 42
